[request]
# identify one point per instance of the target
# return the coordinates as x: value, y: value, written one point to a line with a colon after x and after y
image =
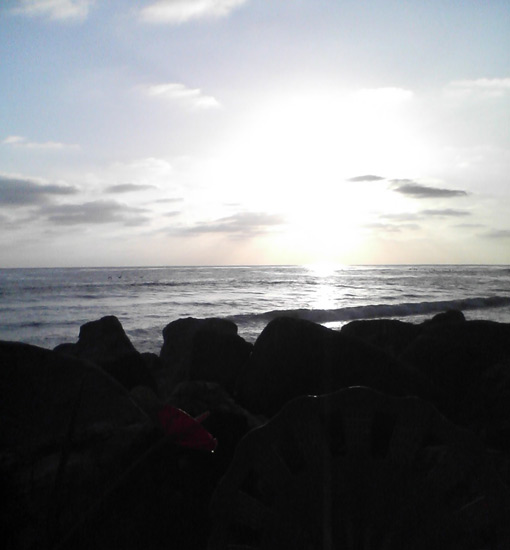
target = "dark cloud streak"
x: 419, y: 191
x: 25, y: 192
x: 367, y: 177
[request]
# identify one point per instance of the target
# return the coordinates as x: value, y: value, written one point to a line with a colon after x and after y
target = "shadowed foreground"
x: 408, y: 447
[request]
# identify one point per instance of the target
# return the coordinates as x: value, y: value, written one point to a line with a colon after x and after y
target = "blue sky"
x: 249, y: 132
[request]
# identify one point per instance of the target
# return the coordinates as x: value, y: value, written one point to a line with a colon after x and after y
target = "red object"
x: 185, y: 430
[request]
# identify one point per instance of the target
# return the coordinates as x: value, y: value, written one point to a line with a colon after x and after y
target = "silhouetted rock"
x: 205, y: 349
x: 228, y: 422
x: 446, y: 317
x: 66, y: 429
x: 388, y: 334
x: 294, y: 357
x: 454, y: 357
x: 160, y: 502
x: 105, y: 343
x: 360, y: 469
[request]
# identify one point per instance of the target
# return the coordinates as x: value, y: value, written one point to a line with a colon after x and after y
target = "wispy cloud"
x: 242, y: 224
x: 20, y: 141
x: 60, y: 10
x: 93, y: 213
x: 446, y: 213
x: 484, y: 87
x: 367, y: 177
x: 128, y: 188
x: 25, y: 192
x: 419, y: 191
x: 175, y: 12
x: 498, y: 234
x: 191, y: 97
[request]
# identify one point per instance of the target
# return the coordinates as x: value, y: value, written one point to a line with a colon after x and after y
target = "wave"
x: 376, y: 311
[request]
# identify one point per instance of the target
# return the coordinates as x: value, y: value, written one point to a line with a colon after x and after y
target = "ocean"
x: 46, y: 307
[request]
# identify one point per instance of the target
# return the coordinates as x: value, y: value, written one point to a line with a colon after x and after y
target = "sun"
x: 294, y: 156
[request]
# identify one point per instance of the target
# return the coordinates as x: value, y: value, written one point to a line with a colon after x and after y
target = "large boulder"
x: 66, y: 430
x: 293, y: 357
x: 105, y: 343
x: 454, y: 357
x: 202, y: 349
x: 390, y: 335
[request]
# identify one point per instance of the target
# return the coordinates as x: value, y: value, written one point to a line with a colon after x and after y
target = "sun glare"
x: 294, y: 157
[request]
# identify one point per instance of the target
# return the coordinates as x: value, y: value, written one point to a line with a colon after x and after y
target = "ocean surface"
x: 46, y: 307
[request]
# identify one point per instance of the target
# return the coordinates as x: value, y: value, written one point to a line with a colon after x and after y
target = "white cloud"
x: 180, y: 11
x: 55, y: 9
x: 484, y: 87
x: 20, y: 141
x: 193, y: 97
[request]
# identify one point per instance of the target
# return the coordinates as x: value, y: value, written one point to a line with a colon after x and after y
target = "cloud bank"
x: 175, y: 12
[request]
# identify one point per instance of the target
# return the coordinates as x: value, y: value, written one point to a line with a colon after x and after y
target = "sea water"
x: 46, y: 307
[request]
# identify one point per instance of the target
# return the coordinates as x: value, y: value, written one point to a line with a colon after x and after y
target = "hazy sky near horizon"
x: 208, y: 132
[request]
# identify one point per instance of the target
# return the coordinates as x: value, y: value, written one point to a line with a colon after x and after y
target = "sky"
x: 237, y: 132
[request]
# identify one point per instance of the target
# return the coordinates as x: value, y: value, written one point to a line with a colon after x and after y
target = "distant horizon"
x: 244, y: 132
x: 311, y: 266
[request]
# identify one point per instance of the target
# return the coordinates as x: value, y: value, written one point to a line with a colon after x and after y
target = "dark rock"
x: 446, y: 317
x: 105, y: 343
x: 209, y: 349
x: 454, y: 357
x: 66, y: 429
x: 228, y: 422
x: 388, y: 334
x: 160, y: 502
x: 294, y: 357
x: 100, y: 341
x: 357, y: 469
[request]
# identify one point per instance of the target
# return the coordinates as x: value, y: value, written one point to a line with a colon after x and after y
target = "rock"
x: 228, y: 422
x: 160, y: 502
x: 207, y: 349
x: 294, y: 357
x: 454, y: 357
x: 360, y: 469
x: 388, y: 334
x: 446, y: 317
x: 66, y: 429
x: 105, y: 343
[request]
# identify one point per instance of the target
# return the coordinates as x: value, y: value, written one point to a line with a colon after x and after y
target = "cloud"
x: 93, y: 213
x: 419, y: 191
x: 20, y: 141
x: 163, y: 201
x: 60, y: 10
x: 243, y: 224
x: 23, y: 192
x: 175, y: 12
x: 368, y: 177
x: 128, y: 187
x: 445, y: 213
x: 482, y: 87
x: 498, y: 234
x: 192, y: 97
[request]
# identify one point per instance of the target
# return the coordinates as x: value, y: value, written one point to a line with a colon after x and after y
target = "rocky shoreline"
x: 87, y: 462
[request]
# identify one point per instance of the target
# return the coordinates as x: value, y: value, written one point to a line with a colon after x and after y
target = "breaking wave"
x: 377, y: 311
